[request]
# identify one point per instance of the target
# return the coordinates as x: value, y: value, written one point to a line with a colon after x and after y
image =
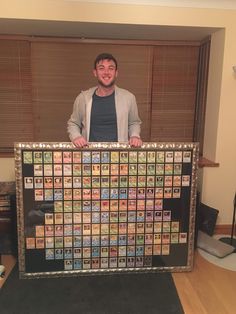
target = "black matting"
x: 101, y: 294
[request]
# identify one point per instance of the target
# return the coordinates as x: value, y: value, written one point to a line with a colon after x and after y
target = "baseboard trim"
x: 223, y: 229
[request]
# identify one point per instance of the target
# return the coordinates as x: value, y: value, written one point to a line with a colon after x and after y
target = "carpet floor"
x: 142, y: 293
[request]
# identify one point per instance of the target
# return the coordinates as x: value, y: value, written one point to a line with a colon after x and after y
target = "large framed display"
x: 105, y: 208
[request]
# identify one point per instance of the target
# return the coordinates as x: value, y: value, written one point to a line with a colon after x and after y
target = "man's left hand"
x: 135, y: 141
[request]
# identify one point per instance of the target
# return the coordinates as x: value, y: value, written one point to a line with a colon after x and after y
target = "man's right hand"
x: 80, y: 142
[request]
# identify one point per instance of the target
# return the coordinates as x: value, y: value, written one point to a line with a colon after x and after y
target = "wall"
x: 217, y: 184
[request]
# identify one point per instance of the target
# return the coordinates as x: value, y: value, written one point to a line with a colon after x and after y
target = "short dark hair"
x: 104, y: 56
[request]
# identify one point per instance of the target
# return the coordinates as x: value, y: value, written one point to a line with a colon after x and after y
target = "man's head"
x: 105, y: 70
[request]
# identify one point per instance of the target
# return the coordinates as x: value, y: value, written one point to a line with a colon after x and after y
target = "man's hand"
x: 80, y: 142
x: 135, y: 141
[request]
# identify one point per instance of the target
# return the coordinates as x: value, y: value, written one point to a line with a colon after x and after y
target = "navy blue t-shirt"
x: 103, y: 122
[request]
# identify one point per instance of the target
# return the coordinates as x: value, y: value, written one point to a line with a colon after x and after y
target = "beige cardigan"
x: 128, y: 121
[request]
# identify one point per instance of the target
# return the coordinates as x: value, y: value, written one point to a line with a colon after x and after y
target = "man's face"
x: 106, y: 73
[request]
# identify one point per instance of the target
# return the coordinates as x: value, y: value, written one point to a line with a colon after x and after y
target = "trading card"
x: 151, y: 169
x: 130, y: 250
x: 160, y: 157
x: 182, y: 237
x: 114, y: 169
x: 113, y: 228
x: 86, y: 230
x: 38, y: 157
x: 67, y: 230
x: 95, y: 240
x: 104, y: 228
x: 104, y: 262
x: 68, y: 253
x: 39, y: 231
x: 142, y: 169
x: 123, y: 193
x: 166, y: 226
x: 150, y: 181
x: 187, y: 156
x: 140, y: 216
x: 113, y: 239
x: 76, y: 206
x: 49, y: 254
x: 151, y: 156
x: 122, y: 250
x: 59, y: 242
x: 159, y: 193
x: 131, y: 239
x: 95, y: 170
x: 122, y: 228
x: 77, y: 182
x: 87, y: 206
x: 68, y: 182
x: 105, y: 205
x: 139, y: 250
x: 96, y: 182
x: 87, y: 217
x: 77, y: 194
x: 113, y: 262
x: 159, y: 169
x: 141, y: 193
x: 149, y: 215
x: 86, y: 169
x: 113, y: 195
x: 77, y: 252
x: 148, y: 250
x: 165, y: 249
x: 77, y: 170
x: 86, y: 263
x: 140, y: 227
x: 77, y: 264
x: 77, y: 157
x: 131, y: 216
x: 165, y: 238
x: 150, y: 192
x: 77, y: 229
x: 105, y: 193
x: 122, y: 262
x: 122, y: 239
x: 95, y: 157
x: 67, y: 169
x: 123, y: 205
x: 157, y: 239
x: 67, y: 157
x: 122, y: 216
x: 86, y: 182
x: 176, y: 180
x: 168, y: 169
x: 38, y: 170
x: 105, y: 157
x: 113, y: 251
x: 124, y: 169
x: 105, y: 169
x: 96, y: 217
x: 157, y: 227
x: 177, y: 169
x: 156, y: 249
x: 68, y: 194
x: 27, y: 157
x: 158, y: 204
x: 30, y: 243
x: 58, y: 206
x: 185, y: 180
x: 158, y: 215
x: 95, y: 263
x: 130, y: 262
x: 48, y: 182
x: 141, y: 181
x: 123, y: 181
x: 59, y: 230
x: 131, y: 227
x: 174, y: 226
x: 133, y: 157
x: 49, y: 242
x: 68, y: 241
x: 139, y: 239
x: 114, y: 181
x: 168, y: 180
x: 166, y: 215
x: 95, y: 194
x: 178, y: 156
x: 57, y: 182
x: 104, y: 182
x: 28, y: 183
x: 132, y: 181
x: 57, y: 157
x: 142, y: 156
x: 114, y: 204
x: 95, y: 251
x: 68, y: 218
x: 132, y: 169
x: 86, y: 157
x: 57, y: 170
x: 169, y: 157
x: 147, y: 262
x: 159, y: 181
x: 77, y: 241
x: 174, y: 237
x: 95, y: 206
x: 139, y: 261
x: 114, y: 157
x: 47, y: 157
x: 124, y: 157
x: 113, y: 216
x: 104, y: 240
x: 48, y: 218
x: 149, y: 204
x: 47, y: 170
x: 48, y: 195
x: 40, y: 243
x: 176, y: 192
x: 132, y: 203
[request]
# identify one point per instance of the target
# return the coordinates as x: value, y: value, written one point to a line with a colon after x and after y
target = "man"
x: 105, y: 113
